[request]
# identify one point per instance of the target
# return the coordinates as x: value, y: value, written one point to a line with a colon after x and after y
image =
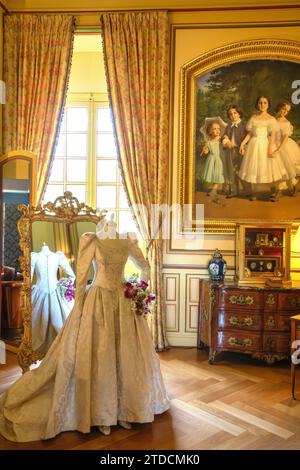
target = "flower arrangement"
x: 140, y: 296
x: 66, y: 288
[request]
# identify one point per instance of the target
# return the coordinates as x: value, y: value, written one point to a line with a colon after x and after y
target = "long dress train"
x: 101, y: 367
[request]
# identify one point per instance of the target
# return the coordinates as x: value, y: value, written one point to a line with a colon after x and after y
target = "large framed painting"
x: 239, y: 136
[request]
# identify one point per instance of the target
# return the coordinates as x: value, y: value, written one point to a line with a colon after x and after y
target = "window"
x: 69, y: 169
x: 85, y: 160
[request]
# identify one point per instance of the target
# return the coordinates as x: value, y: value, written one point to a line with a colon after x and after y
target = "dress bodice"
x: 261, y: 127
x: 45, y: 266
x: 108, y: 257
x: 214, y: 147
x: 109, y: 260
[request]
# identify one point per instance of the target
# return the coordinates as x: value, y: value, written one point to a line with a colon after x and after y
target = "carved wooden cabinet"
x: 11, y: 317
x: 252, y: 320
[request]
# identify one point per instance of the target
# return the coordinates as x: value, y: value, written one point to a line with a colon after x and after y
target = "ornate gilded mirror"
x: 49, y: 239
x: 18, y: 186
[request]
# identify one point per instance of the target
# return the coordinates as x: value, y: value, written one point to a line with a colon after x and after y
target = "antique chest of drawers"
x: 252, y: 320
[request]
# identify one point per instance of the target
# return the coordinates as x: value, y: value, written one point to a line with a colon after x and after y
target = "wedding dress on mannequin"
x: 102, y: 368
x: 49, y: 308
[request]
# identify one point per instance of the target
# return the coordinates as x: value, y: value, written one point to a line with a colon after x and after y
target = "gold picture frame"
x: 260, y: 49
x: 263, y: 265
x: 262, y: 239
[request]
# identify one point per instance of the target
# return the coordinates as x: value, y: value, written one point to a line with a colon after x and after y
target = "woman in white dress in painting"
x: 259, y: 164
x: 49, y: 308
x: 102, y: 368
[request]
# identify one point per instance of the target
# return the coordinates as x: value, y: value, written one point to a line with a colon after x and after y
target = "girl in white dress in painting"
x: 286, y: 148
x: 213, y: 170
x: 102, y: 368
x: 259, y: 163
x: 49, y: 308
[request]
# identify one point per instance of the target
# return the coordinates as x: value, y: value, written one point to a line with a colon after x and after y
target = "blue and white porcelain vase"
x: 217, y: 266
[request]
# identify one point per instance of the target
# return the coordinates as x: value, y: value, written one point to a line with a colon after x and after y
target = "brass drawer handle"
x: 270, y: 323
x: 233, y: 341
x: 234, y: 321
x: 248, y: 321
x: 241, y: 299
x: 270, y: 299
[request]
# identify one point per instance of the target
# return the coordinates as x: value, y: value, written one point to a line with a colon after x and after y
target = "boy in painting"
x: 235, y: 133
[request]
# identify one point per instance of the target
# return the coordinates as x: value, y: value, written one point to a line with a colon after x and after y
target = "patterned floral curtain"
x: 136, y: 49
x: 37, y: 59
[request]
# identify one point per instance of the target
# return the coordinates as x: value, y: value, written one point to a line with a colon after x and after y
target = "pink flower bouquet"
x: 140, y: 296
x: 66, y: 288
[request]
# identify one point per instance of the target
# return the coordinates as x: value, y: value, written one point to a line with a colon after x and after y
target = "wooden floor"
x: 237, y: 403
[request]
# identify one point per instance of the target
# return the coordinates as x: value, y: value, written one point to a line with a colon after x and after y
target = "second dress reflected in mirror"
x: 50, y: 307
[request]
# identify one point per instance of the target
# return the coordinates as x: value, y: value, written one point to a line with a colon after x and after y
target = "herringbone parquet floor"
x: 237, y: 403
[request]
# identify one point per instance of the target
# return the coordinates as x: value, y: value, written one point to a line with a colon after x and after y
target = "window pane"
x: 106, y: 197
x: 77, y: 119
x: 106, y: 171
x: 126, y: 222
x: 106, y: 146
x: 60, y: 150
x: 123, y: 199
x: 53, y: 191
x: 104, y: 120
x: 76, y: 170
x: 57, y: 171
x: 78, y: 190
x: 76, y: 145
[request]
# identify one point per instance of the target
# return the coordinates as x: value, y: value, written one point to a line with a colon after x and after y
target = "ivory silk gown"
x: 49, y: 308
x: 102, y: 366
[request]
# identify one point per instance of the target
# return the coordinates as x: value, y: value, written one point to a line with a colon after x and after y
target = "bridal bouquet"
x: 66, y: 288
x: 140, y: 296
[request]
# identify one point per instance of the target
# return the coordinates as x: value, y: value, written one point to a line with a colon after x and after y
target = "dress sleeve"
x: 136, y: 255
x: 64, y: 264
x: 287, y: 129
x: 273, y: 125
x: 84, y: 259
x: 249, y: 125
x: 207, y: 143
x: 32, y: 263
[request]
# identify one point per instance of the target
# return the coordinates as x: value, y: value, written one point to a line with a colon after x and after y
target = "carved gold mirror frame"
x: 66, y: 209
x: 237, y: 52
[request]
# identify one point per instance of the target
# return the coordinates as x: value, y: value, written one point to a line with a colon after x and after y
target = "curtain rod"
x: 169, y: 10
